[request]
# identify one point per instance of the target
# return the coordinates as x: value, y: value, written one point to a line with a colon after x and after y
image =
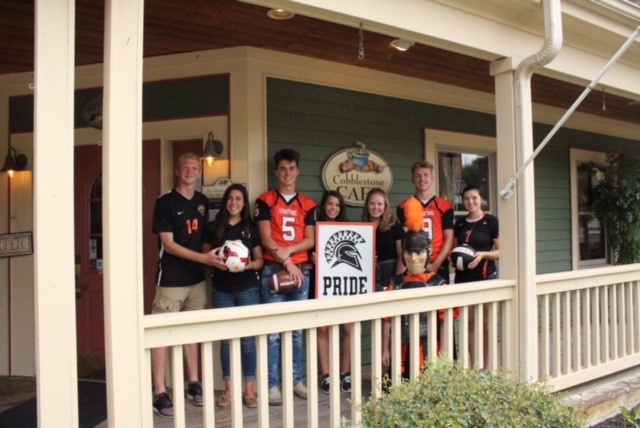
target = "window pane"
x: 95, y: 227
x: 591, y: 233
x: 584, y: 201
x: 460, y: 169
x: 592, y: 243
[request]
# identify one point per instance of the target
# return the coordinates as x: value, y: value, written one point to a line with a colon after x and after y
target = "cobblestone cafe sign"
x: 354, y: 171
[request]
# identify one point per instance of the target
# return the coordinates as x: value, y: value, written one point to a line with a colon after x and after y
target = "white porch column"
x: 508, y: 157
x: 517, y: 215
x: 128, y: 395
x: 516, y: 86
x: 56, y: 366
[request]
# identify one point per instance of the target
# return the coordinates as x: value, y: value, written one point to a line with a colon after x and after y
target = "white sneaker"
x: 300, y: 391
x: 275, y: 397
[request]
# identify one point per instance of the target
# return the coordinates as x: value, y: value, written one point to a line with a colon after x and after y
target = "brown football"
x: 282, y: 282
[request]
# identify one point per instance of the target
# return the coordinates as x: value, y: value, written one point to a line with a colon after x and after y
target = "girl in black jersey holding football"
x: 233, y: 222
x: 480, y: 230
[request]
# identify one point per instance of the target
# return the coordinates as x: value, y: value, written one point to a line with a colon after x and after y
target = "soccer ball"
x: 462, y: 255
x: 236, y: 255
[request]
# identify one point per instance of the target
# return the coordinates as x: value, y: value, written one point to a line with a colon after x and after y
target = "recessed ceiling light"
x: 402, y: 44
x: 280, y: 14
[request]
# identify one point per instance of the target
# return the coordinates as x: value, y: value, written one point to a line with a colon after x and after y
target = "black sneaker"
x: 325, y: 384
x: 163, y: 405
x: 194, y: 393
x: 345, y: 382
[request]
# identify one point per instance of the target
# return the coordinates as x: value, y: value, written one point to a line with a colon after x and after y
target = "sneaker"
x: 345, y: 382
x: 300, y: 391
x: 275, y: 397
x: 194, y: 393
x: 325, y: 385
x: 163, y: 405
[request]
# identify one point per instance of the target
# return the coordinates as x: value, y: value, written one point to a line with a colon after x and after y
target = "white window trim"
x: 436, y: 140
x: 577, y: 157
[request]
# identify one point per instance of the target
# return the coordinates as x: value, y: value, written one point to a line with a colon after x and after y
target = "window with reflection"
x: 591, y: 233
x: 458, y: 169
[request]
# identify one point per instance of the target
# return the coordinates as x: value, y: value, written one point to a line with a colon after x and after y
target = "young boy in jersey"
x: 437, y: 214
x: 179, y: 219
x: 415, y: 254
x: 286, y: 221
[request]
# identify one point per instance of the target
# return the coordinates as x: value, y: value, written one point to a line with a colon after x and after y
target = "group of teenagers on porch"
x: 412, y: 249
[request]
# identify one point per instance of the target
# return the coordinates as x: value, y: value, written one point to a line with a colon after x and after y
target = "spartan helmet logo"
x: 341, y: 248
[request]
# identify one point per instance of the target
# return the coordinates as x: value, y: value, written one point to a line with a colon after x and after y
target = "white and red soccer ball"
x: 235, y: 254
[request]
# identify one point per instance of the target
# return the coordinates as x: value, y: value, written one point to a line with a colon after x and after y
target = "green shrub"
x: 446, y: 395
x: 631, y: 416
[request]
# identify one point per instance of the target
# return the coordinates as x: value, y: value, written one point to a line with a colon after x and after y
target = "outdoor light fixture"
x: 14, y: 162
x: 212, y: 150
x: 402, y: 45
x: 280, y: 14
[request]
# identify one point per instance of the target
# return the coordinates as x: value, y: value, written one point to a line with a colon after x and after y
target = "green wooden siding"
x: 167, y: 99
x: 553, y: 192
x: 318, y: 121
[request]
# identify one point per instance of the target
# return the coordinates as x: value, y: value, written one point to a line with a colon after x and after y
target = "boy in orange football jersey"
x: 286, y: 221
x: 437, y: 217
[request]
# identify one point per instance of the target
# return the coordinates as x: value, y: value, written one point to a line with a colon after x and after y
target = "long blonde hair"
x: 388, y: 219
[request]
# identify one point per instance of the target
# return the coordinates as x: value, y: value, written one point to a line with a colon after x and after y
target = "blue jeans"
x: 274, y: 338
x: 223, y: 299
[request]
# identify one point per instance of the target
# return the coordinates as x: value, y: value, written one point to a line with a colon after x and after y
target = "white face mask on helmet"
x: 416, y: 252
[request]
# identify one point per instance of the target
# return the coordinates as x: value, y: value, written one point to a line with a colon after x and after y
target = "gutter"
x: 522, y: 78
x: 526, y: 241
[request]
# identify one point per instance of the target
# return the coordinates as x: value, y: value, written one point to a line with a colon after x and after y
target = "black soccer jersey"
x: 186, y: 219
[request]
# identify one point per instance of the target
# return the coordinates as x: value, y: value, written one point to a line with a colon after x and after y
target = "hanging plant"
x: 617, y: 206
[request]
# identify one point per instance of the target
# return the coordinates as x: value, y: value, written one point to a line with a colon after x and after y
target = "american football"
x: 282, y: 282
x: 236, y: 255
x: 462, y: 255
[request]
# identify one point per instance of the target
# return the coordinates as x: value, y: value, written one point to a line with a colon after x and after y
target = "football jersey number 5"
x: 288, y: 231
x: 428, y: 228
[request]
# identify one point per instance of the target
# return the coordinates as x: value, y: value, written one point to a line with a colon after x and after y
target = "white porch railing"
x: 589, y: 323
x: 209, y: 326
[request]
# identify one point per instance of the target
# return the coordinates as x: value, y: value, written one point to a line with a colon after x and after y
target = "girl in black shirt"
x: 480, y: 230
x: 233, y: 222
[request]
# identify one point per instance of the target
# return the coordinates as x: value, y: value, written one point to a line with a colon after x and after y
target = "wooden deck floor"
x: 15, y: 390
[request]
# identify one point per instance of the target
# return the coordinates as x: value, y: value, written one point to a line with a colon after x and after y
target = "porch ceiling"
x: 178, y: 26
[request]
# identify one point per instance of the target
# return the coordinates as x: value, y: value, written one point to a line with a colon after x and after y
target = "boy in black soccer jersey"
x: 179, y: 219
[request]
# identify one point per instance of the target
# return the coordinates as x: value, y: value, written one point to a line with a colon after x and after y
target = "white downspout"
x: 527, y: 307
x: 523, y: 72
